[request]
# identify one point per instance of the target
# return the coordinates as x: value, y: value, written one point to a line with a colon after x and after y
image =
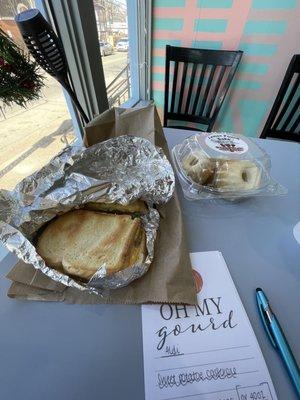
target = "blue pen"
x: 277, y: 338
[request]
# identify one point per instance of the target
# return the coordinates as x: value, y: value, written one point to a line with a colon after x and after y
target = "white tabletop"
x: 57, y: 351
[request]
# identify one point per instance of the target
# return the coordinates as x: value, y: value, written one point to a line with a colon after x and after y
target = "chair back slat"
x: 207, y: 89
x: 290, y: 115
x: 190, y: 90
x: 182, y: 88
x: 215, y: 91
x: 285, y: 105
x: 199, y: 87
x: 296, y: 125
x: 174, y: 86
x: 199, y: 83
x: 284, y: 119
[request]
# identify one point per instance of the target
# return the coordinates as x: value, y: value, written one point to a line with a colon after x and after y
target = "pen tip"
x: 258, y: 289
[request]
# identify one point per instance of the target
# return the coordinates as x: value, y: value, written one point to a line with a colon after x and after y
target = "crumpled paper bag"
x: 170, y: 277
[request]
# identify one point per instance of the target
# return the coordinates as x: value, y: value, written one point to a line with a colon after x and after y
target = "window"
x: 112, y: 29
x: 125, y: 25
x: 30, y: 136
x: 120, y: 31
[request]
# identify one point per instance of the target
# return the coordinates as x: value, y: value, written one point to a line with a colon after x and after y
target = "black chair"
x: 204, y: 76
x: 284, y: 119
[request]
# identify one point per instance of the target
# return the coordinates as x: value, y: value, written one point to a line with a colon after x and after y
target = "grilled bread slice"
x: 138, y: 206
x: 81, y: 241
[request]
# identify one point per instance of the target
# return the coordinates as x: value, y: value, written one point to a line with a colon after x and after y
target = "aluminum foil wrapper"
x: 119, y: 170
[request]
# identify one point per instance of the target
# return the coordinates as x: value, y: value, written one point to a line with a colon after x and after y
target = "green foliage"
x: 20, y: 80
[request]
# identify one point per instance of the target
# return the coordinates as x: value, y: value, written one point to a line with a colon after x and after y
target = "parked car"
x: 122, y: 45
x: 106, y: 49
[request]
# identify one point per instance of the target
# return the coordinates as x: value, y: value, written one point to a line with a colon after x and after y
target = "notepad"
x: 207, y: 351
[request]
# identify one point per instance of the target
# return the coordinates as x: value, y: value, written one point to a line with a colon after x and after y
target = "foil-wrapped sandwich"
x: 88, y: 219
x: 77, y: 242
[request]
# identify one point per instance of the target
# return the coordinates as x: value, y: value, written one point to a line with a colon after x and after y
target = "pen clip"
x: 265, y: 320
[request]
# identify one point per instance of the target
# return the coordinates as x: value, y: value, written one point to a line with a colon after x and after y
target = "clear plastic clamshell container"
x: 223, y: 165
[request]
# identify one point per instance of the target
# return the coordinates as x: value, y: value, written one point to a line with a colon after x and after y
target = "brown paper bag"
x: 20, y: 291
x: 169, y: 278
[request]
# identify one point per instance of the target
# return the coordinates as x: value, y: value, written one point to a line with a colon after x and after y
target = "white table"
x: 56, y: 351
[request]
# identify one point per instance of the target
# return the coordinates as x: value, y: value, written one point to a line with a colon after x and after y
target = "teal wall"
x: 268, y: 32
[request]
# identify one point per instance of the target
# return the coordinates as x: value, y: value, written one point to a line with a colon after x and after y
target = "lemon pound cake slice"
x: 198, y: 167
x: 237, y: 175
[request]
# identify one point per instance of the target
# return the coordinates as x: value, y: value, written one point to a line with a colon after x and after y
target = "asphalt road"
x: 30, y: 137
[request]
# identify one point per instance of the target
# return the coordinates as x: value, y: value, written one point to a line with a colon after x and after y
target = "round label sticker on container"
x: 226, y: 143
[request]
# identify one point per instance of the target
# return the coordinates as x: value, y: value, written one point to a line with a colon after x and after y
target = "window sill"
x: 132, y: 102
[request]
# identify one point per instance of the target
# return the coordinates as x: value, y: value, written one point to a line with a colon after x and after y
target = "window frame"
x: 75, y: 23
x: 140, y: 33
x: 145, y: 47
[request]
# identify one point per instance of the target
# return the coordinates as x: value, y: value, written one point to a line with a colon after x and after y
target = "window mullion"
x: 144, y: 48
